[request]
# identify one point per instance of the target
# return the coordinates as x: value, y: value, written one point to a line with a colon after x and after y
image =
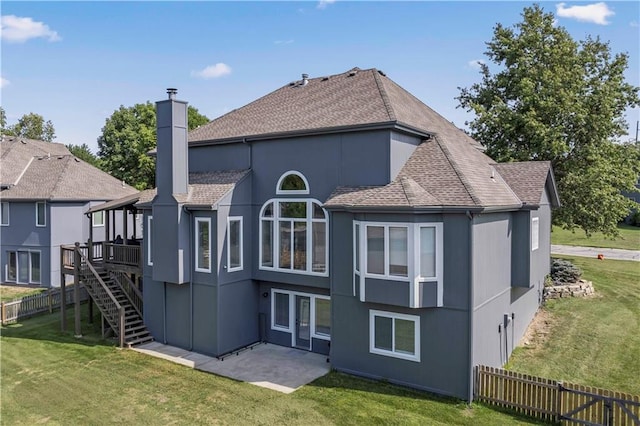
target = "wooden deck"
x: 115, y: 257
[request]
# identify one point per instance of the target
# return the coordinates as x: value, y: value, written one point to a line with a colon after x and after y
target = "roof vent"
x: 352, y: 73
x: 21, y: 140
x: 325, y: 78
x: 305, y: 79
x: 172, y: 93
x: 293, y: 83
x: 77, y: 160
x: 382, y: 73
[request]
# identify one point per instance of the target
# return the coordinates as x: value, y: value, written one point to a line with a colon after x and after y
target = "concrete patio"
x: 266, y: 365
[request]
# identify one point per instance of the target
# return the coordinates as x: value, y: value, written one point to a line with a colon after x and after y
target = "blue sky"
x: 76, y: 62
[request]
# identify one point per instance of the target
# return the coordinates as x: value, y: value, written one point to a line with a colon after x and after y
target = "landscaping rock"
x: 582, y: 288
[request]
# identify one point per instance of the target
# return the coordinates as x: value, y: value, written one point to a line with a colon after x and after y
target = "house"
x: 343, y: 216
x: 45, y: 192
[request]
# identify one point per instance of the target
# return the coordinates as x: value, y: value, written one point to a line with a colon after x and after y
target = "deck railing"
x: 107, y: 252
x: 130, y: 289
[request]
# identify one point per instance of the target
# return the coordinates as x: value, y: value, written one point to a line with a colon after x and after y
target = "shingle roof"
x: 447, y: 170
x: 205, y: 189
x: 36, y: 170
x: 528, y: 179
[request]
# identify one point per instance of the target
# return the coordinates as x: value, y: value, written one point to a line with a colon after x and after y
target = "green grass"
x: 50, y: 377
x: 593, y: 341
x: 629, y: 238
x: 9, y: 292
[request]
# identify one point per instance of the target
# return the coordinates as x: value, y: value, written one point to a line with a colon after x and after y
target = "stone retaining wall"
x: 582, y: 288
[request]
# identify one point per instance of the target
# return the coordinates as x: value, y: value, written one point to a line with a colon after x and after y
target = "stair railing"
x: 129, y: 289
x: 100, y: 293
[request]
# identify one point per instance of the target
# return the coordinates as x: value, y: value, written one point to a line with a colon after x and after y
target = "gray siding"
x: 401, y: 148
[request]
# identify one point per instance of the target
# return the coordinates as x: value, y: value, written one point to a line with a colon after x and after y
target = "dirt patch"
x: 538, y: 329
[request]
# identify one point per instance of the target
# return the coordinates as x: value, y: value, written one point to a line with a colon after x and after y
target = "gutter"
x: 423, y: 209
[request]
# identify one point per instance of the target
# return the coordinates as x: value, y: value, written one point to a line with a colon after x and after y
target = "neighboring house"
x: 341, y: 215
x: 44, y: 193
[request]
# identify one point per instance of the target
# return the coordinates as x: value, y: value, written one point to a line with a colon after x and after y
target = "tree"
x: 84, y: 153
x: 127, y: 137
x: 563, y: 101
x: 33, y: 126
x: 3, y: 123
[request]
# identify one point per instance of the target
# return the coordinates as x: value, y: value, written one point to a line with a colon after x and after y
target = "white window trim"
x: 229, y: 220
x: 535, y: 233
x: 31, y: 280
x: 197, y: 221
x: 393, y: 315
x: 5, y: 208
x: 357, y: 274
x: 386, y: 226
x: 275, y: 249
x: 294, y: 191
x: 413, y: 256
x: 149, y: 241
x: 312, y: 313
x: 41, y: 225
x: 93, y: 219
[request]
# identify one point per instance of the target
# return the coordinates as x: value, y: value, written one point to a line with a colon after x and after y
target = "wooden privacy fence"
x: 551, y: 400
x: 46, y: 301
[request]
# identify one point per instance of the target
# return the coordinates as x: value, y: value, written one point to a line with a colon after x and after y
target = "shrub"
x: 564, y: 272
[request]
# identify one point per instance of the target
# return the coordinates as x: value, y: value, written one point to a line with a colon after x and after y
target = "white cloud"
x: 596, y: 13
x: 17, y: 29
x: 633, y: 24
x: 283, y: 42
x: 213, y: 71
x: 322, y: 4
x: 4, y: 82
x: 475, y: 63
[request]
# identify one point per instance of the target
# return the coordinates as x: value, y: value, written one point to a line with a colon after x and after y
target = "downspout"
x: 191, y: 280
x: 471, y: 283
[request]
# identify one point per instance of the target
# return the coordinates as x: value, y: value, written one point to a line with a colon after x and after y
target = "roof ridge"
x: 456, y: 169
x: 383, y: 94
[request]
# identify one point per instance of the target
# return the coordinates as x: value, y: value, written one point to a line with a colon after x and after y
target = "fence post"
x: 559, y: 402
x: 49, y: 299
x: 3, y: 313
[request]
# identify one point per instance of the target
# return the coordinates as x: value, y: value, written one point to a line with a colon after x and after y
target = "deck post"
x: 76, y: 289
x: 125, y: 227
x: 63, y: 302
x: 90, y: 310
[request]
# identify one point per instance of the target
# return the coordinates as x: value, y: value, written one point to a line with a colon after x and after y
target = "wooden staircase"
x: 119, y: 303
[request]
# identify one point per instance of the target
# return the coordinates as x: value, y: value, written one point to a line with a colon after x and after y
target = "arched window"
x: 293, y: 236
x: 292, y: 183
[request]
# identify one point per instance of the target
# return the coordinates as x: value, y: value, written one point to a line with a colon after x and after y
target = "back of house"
x: 343, y: 216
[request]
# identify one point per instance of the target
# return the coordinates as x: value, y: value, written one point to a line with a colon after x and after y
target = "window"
x: 203, y: 244
x: 4, y: 213
x: 323, y: 316
x: 395, y: 335
x: 387, y: 250
x: 535, y: 233
x: 98, y: 218
x: 284, y: 315
x: 234, y: 244
x: 281, y: 310
x: 292, y: 182
x: 400, y: 252
x: 149, y: 241
x: 293, y: 236
x: 23, y: 267
x: 41, y: 214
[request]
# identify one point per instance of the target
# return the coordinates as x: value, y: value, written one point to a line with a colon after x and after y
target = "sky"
x: 75, y: 63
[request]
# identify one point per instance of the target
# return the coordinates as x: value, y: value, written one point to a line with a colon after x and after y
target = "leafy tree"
x: 3, y: 123
x: 33, y: 126
x: 127, y: 137
x: 84, y: 153
x: 559, y: 100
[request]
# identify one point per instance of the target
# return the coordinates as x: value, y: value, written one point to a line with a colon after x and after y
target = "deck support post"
x: 76, y: 289
x: 63, y: 302
x: 90, y: 301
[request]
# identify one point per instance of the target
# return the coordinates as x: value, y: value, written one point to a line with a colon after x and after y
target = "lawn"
x: 9, y: 292
x: 51, y: 377
x: 629, y: 238
x: 594, y: 341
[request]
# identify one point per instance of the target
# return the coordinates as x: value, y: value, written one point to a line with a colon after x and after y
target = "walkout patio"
x: 265, y: 365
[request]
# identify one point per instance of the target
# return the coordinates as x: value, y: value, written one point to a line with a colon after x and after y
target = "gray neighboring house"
x: 343, y: 216
x: 45, y: 192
